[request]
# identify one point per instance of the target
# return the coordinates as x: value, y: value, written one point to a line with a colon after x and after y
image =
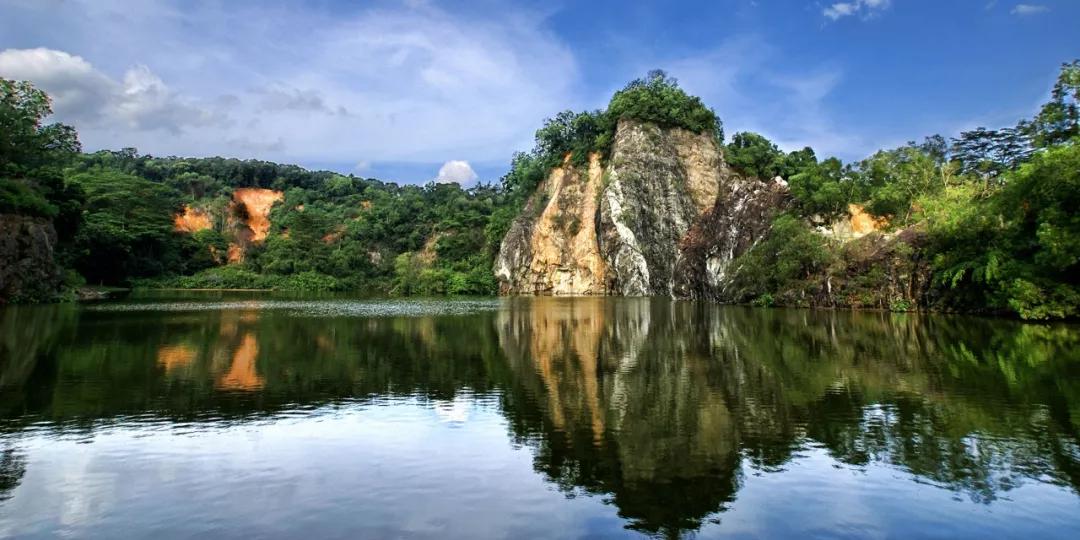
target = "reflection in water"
x: 12, y: 469
x: 669, y: 456
x: 669, y: 411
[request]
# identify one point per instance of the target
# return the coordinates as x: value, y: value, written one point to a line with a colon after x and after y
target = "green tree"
x: 128, y: 229
x: 788, y: 258
x: 822, y: 190
x: 657, y: 98
x: 1018, y: 250
x: 1059, y: 119
x: 754, y: 155
x: 32, y: 155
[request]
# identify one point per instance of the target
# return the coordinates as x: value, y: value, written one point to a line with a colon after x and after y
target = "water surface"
x: 252, y: 415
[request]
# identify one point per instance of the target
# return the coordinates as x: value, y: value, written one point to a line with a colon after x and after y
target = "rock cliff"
x: 28, y: 272
x: 661, y: 217
x: 552, y: 247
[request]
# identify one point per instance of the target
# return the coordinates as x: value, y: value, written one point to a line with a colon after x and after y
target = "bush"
x: 782, y: 263
x: 1017, y: 250
x: 754, y: 155
x: 18, y: 198
x: 657, y: 98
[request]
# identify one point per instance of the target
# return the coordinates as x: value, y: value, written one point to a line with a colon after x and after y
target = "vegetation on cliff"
x: 328, y: 231
x: 984, y: 222
x: 991, y: 216
x: 656, y: 98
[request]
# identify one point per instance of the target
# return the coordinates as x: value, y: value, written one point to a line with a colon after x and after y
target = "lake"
x: 250, y: 415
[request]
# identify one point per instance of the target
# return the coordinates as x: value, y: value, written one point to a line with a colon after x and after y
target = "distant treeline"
x: 999, y: 207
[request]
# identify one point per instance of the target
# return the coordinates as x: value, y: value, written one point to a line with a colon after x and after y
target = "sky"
x: 422, y: 90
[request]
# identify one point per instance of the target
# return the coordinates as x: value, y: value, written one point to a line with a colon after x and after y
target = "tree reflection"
x: 689, y: 394
x: 659, y: 407
x: 12, y: 469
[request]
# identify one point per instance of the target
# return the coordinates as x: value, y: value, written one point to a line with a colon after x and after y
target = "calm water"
x: 256, y: 416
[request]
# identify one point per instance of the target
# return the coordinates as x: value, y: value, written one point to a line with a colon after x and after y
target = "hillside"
x: 644, y: 197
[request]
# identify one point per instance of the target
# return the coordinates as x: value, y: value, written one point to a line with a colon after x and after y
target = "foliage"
x: 988, y: 153
x: 657, y: 98
x: 893, y: 179
x: 822, y: 189
x: 790, y: 254
x: 1019, y: 249
x: 127, y: 228
x: 1058, y: 120
x: 31, y: 155
x: 754, y: 155
x: 573, y: 134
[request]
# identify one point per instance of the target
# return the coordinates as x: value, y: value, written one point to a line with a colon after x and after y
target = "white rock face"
x: 654, y: 220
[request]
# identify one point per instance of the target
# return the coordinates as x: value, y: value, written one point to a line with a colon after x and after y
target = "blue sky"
x: 403, y: 90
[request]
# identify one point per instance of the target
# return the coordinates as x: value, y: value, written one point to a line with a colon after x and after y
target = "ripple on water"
x: 320, y: 308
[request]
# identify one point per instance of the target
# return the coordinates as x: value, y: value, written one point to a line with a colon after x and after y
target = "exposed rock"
x: 647, y: 207
x: 256, y: 203
x: 429, y: 253
x: 661, y: 218
x: 556, y: 252
x: 249, y: 218
x: 28, y: 272
x: 742, y: 215
x: 858, y: 224
x: 192, y: 220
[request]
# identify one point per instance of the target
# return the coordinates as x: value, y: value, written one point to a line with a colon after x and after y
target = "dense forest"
x: 114, y: 215
x: 998, y: 208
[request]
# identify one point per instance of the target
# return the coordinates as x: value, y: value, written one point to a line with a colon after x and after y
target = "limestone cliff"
x: 28, y: 272
x: 661, y: 217
x: 552, y: 248
x: 742, y: 215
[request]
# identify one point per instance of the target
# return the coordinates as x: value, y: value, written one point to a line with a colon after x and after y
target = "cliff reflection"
x: 626, y: 411
x: 662, y: 405
x: 662, y: 408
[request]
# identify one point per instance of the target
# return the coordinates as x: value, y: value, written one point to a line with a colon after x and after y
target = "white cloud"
x: 87, y: 97
x: 456, y: 171
x: 1029, y: 9
x: 866, y: 8
x: 292, y: 83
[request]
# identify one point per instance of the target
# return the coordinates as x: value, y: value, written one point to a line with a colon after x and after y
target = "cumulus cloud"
x: 294, y: 83
x: 1029, y: 9
x: 865, y: 8
x: 85, y: 96
x: 456, y: 171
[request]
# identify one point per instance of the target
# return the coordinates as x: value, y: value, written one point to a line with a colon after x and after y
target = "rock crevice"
x: 659, y: 218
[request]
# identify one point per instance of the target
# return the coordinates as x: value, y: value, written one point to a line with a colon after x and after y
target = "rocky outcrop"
x: 192, y: 220
x: 28, y: 272
x: 857, y: 224
x: 647, y: 207
x: 253, y: 206
x: 246, y: 220
x: 741, y: 216
x: 880, y: 271
x: 552, y: 248
x: 661, y: 217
